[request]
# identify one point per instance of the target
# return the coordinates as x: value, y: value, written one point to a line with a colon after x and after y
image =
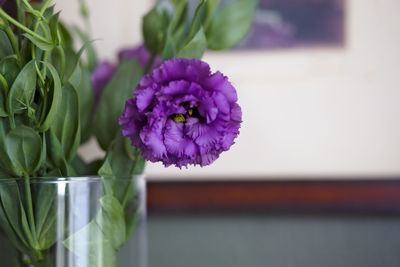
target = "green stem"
x: 14, y: 42
x: 41, y: 12
x: 45, y: 53
x: 45, y: 57
x: 45, y: 5
x: 21, y: 17
x: 149, y: 63
x: 42, y: 116
x: 31, y: 217
x: 22, y: 27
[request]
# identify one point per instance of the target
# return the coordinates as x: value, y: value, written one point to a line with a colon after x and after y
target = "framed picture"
x: 294, y: 23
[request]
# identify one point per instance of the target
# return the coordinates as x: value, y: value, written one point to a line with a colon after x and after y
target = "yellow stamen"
x: 179, y: 118
x: 190, y: 111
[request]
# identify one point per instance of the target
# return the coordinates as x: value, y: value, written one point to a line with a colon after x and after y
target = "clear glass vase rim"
x: 86, y: 178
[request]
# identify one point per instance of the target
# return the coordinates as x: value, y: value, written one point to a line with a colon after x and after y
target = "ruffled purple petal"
x: 182, y: 114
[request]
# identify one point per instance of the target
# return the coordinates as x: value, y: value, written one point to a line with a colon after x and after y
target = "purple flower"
x: 141, y: 54
x: 101, y: 75
x: 182, y: 114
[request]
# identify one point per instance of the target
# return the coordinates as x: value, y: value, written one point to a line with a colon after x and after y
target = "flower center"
x: 190, y: 112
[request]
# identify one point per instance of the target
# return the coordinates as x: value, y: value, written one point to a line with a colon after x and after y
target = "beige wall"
x: 306, y: 112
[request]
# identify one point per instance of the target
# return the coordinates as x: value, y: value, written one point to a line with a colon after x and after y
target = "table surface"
x: 273, y: 240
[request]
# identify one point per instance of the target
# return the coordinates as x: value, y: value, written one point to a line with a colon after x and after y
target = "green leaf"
x: 111, y: 220
x: 8, y: 72
x: 154, y: 29
x: 9, y: 69
x: 3, y: 174
x: 86, y: 102
x: 179, y: 17
x: 73, y: 71
x: 66, y: 125
x: 49, y: 12
x: 24, y: 148
x: 112, y: 101
x: 55, y: 96
x: 121, y: 162
x: 96, y: 244
x: 169, y: 50
x: 79, y: 165
x: 54, y: 149
x: 176, y: 31
x: 195, y: 48
x: 49, y: 234
x: 3, y: 112
x: 11, y: 209
x: 46, y: 216
x: 65, y: 35
x: 25, y: 227
x: 44, y: 203
x: 198, y: 19
x: 211, y: 6
x: 5, y: 162
x: 39, y: 43
x: 90, y: 49
x: 13, y: 236
x: 5, y: 45
x: 91, y: 247
x: 53, y: 24
x: 83, y: 168
x: 118, y: 163
x: 76, y: 76
x: 23, y: 89
x: 231, y: 25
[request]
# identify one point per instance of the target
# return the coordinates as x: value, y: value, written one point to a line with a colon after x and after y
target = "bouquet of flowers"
x: 159, y: 103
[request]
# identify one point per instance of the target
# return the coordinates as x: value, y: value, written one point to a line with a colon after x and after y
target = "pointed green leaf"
x: 10, y: 203
x: 54, y: 149
x: 195, y: 48
x: 5, y: 162
x: 113, y: 98
x: 66, y: 126
x: 7, y: 227
x: 198, y: 19
x: 53, y: 24
x: 91, y: 247
x: 91, y: 55
x: 86, y: 102
x: 9, y: 69
x: 5, y: 45
x: 111, y: 220
x: 212, y: 6
x: 55, y: 95
x: 23, y: 89
x: 231, y: 24
x: 24, y: 148
x: 39, y: 43
x: 44, y: 204
x: 154, y: 28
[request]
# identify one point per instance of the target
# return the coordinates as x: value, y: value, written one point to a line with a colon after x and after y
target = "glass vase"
x: 73, y: 222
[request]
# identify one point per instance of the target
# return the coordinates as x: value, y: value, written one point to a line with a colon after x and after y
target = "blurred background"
x: 313, y: 177
x: 317, y: 81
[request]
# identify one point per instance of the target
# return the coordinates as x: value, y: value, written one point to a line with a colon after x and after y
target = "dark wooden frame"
x: 350, y: 196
